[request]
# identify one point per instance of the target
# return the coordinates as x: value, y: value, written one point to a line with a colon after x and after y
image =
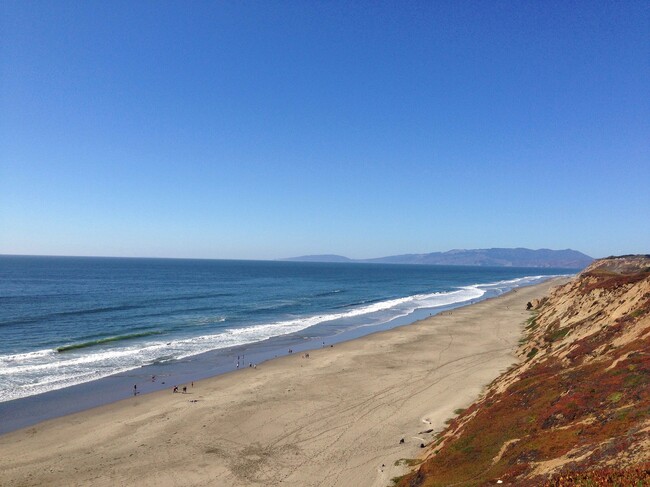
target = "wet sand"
x: 331, y: 419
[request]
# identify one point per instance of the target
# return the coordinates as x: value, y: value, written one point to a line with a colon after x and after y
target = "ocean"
x: 70, y: 321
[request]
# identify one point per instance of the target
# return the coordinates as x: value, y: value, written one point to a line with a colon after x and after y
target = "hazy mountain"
x: 519, y: 257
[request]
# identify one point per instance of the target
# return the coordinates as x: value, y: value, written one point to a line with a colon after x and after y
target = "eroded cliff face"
x: 576, y: 409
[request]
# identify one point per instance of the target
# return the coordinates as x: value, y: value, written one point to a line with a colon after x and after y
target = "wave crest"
x: 102, y: 341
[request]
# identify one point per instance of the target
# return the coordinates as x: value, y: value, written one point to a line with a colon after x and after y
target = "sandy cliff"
x: 576, y: 409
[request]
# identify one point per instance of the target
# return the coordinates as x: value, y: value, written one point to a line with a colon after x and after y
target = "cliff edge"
x: 576, y: 409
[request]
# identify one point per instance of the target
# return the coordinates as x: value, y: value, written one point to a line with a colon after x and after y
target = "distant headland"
x: 519, y: 257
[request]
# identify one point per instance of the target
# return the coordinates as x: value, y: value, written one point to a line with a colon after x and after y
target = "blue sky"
x: 262, y: 130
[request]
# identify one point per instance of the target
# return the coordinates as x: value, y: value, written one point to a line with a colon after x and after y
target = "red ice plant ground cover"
x: 576, y: 410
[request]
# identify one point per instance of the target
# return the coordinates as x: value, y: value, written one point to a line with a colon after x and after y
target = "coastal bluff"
x: 575, y: 409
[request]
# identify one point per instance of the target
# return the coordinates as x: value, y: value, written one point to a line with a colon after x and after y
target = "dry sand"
x: 331, y: 419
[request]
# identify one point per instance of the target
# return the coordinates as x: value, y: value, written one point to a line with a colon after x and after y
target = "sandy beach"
x: 332, y: 419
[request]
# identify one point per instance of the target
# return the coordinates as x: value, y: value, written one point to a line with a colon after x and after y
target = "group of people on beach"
x: 153, y: 379
x: 175, y: 389
x: 240, y: 359
x: 250, y: 364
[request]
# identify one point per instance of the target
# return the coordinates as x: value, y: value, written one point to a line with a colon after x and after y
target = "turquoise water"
x: 68, y: 320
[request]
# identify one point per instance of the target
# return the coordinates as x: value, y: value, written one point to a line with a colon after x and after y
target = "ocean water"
x: 66, y: 321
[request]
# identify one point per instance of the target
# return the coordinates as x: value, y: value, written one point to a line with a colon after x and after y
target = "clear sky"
x: 270, y: 129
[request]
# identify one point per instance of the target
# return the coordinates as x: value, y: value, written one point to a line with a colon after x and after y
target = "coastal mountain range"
x: 518, y: 257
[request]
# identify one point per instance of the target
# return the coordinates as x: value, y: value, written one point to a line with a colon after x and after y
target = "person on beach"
x: 184, y: 389
x: 135, y: 389
x: 175, y: 390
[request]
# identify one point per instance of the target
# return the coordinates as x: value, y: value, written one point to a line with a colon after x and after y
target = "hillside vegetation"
x: 576, y: 409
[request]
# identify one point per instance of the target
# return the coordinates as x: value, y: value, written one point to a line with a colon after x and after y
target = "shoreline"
x: 331, y: 419
x: 30, y: 410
